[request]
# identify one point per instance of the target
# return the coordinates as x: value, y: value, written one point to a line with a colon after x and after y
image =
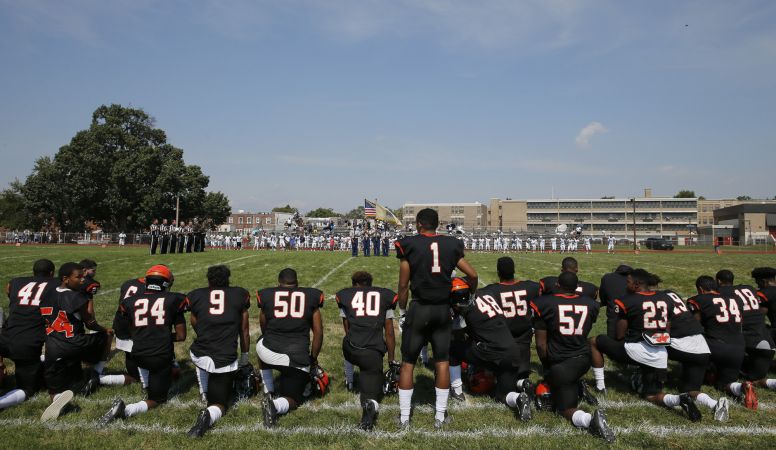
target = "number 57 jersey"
x: 151, y: 316
x: 568, y: 319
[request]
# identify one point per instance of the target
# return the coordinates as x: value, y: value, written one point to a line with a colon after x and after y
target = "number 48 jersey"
x: 568, y: 319
x: 366, y: 309
x: 151, y: 317
x: 219, y: 314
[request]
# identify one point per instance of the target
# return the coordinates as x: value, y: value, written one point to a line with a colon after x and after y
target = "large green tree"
x: 119, y: 173
x: 323, y: 212
x: 685, y: 194
x: 13, y: 214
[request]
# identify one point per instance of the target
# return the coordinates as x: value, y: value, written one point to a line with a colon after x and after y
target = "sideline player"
x: 367, y: 316
x: 426, y: 261
x: 288, y: 314
x: 563, y: 322
x: 25, y: 331
x: 218, y: 314
x: 68, y: 314
x: 152, y: 314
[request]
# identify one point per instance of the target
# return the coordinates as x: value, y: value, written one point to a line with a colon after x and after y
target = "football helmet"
x: 319, y: 380
x: 482, y: 382
x: 247, y: 382
x: 459, y: 292
x: 391, y: 378
x: 543, y: 397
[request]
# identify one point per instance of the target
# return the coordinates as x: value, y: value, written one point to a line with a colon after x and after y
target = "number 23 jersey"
x: 288, y: 312
x: 151, y: 317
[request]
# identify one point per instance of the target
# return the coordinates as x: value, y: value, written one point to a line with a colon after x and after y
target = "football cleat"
x: 90, y: 385
x: 403, y: 426
x: 54, y: 410
x: 586, y: 395
x: 461, y: 398
x: 203, y: 398
x: 439, y: 424
x: 349, y: 386
x: 269, y: 412
x: 201, y: 426
x: 722, y: 410
x: 116, y: 411
x: 523, y: 407
x: 368, y: 416
x: 688, y: 405
x: 599, y: 426
x: 528, y: 387
x: 749, y: 395
x: 637, y: 382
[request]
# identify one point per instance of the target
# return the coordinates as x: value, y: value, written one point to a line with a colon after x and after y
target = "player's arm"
x: 404, y: 285
x: 87, y: 313
x: 262, y: 322
x: 390, y: 339
x: 245, y: 332
x: 317, y: 335
x: 541, y: 344
x: 622, y: 329
x: 180, y: 332
x: 471, y: 274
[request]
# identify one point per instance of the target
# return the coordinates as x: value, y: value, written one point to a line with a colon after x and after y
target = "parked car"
x: 655, y: 243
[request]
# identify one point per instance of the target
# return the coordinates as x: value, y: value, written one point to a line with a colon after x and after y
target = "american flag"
x: 370, y: 210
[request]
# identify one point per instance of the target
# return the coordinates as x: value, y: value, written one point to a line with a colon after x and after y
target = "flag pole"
x: 177, y: 208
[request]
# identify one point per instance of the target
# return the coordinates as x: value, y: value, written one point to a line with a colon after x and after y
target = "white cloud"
x: 587, y: 133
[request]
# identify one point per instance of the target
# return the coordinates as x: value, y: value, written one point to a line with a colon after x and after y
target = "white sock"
x: 771, y: 383
x: 455, y: 379
x: 215, y: 413
x: 143, y: 376
x: 269, y: 381
x: 112, y: 380
x: 377, y: 405
x: 281, y: 405
x: 348, y: 372
x: 512, y: 399
x: 441, y: 403
x: 12, y: 398
x: 134, y: 409
x: 203, y: 377
x: 581, y: 419
x: 99, y: 367
x: 706, y: 401
x: 735, y: 388
x: 424, y: 354
x: 671, y: 400
x: 405, y: 403
x: 598, y: 373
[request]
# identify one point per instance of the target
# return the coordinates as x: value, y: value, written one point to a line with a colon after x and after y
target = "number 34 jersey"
x: 365, y: 309
x: 151, y: 316
x: 288, y: 312
x: 219, y: 314
x: 568, y: 319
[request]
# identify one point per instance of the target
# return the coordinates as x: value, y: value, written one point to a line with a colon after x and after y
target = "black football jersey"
x: 486, y: 324
x: 26, y: 296
x: 568, y: 319
x: 752, y: 317
x: 432, y: 259
x: 584, y: 288
x: 767, y: 297
x: 62, y: 319
x: 683, y: 323
x: 289, y: 315
x: 90, y: 287
x: 128, y: 289
x: 219, y: 319
x: 365, y: 309
x: 151, y: 318
x: 646, y: 312
x: 613, y: 286
x: 514, y: 299
x: 720, y: 317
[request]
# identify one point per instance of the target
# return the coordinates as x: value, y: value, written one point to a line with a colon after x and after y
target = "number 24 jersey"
x: 151, y: 316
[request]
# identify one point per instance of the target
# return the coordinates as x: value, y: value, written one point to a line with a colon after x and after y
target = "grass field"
x: 330, y: 421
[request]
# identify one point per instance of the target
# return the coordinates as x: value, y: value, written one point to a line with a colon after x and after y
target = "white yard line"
x: 331, y: 272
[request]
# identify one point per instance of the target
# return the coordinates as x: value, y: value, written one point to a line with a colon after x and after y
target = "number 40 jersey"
x: 366, y: 309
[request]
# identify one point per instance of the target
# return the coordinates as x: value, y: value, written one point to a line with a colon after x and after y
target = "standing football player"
x: 152, y: 315
x: 288, y: 314
x: 154, y: 230
x: 721, y: 319
x: 68, y: 314
x: 426, y: 262
x: 218, y: 314
x: 563, y: 321
x: 367, y: 316
x: 642, y: 337
x: 25, y: 331
x: 759, y: 343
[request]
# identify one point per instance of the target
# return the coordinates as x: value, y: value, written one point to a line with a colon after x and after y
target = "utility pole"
x: 177, y: 208
x: 635, y: 248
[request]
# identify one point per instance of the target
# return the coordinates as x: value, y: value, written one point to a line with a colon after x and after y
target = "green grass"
x: 330, y: 421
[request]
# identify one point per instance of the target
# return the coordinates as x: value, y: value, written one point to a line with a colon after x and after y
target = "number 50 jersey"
x: 151, y: 316
x: 289, y: 315
x: 366, y: 308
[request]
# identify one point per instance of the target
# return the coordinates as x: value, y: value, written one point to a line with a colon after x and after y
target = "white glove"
x: 402, y: 316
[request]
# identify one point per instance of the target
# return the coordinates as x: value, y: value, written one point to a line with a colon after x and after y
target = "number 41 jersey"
x: 219, y: 314
x: 151, y: 317
x: 26, y: 327
x: 366, y: 308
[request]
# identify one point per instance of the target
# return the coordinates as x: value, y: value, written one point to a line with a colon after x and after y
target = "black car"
x: 655, y: 243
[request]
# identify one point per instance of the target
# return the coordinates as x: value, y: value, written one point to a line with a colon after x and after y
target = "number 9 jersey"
x: 219, y: 314
x: 151, y: 316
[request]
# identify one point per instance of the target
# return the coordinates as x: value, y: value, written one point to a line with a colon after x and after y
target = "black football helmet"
x: 391, y: 378
x: 247, y: 382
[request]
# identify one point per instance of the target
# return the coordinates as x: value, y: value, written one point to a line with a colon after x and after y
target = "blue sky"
x: 320, y: 103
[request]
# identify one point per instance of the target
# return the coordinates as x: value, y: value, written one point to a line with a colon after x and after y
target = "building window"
x: 269, y: 220
x: 231, y: 219
x: 240, y: 220
x: 249, y: 220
